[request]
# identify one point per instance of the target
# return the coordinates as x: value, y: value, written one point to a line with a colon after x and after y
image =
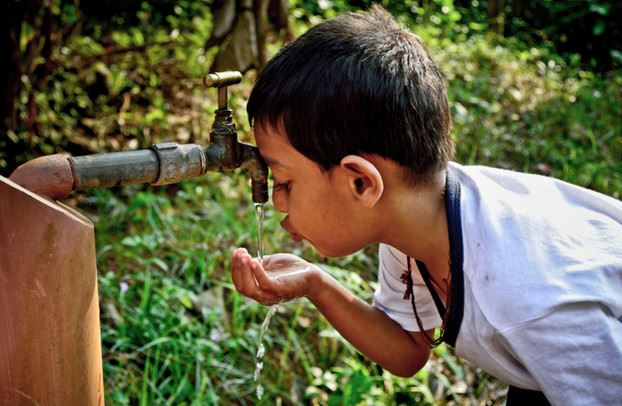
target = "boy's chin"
x: 335, y: 252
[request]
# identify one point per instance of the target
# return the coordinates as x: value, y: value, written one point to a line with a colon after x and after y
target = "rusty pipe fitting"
x: 49, y: 176
x: 225, y: 151
x: 56, y: 176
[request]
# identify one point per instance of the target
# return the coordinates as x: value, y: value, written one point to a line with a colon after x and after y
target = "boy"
x: 521, y: 273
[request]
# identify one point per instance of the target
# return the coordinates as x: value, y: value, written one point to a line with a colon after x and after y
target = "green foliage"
x: 529, y: 110
x: 590, y: 29
x: 117, y: 88
x: 587, y: 30
x: 175, y: 331
x: 121, y: 14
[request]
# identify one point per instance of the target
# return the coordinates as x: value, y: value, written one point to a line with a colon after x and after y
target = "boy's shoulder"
x: 525, y: 236
x: 505, y: 191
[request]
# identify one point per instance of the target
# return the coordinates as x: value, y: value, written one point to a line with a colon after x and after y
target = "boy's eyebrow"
x: 272, y: 161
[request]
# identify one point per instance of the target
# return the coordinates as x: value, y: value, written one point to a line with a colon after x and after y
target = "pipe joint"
x: 178, y: 162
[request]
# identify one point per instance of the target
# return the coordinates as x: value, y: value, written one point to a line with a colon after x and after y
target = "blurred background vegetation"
x: 533, y: 85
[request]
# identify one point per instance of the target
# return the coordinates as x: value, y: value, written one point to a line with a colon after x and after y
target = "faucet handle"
x: 221, y: 80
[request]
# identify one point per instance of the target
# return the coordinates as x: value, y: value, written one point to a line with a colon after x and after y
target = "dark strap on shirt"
x: 454, y: 229
x: 516, y: 396
x: 425, y: 274
x: 520, y: 397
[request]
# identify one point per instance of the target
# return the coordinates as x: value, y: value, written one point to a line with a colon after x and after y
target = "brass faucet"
x: 56, y: 176
x: 225, y: 151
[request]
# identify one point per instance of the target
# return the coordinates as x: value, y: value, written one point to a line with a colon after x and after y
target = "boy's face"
x: 317, y: 203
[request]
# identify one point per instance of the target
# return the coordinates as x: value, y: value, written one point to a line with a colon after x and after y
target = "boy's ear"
x: 364, y: 179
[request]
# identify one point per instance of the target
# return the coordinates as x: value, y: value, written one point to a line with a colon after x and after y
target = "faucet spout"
x: 225, y: 151
x: 257, y: 170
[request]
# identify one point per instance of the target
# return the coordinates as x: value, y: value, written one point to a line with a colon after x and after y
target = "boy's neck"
x: 417, y: 223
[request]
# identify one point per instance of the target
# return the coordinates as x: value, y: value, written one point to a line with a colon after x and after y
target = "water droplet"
x: 261, y: 350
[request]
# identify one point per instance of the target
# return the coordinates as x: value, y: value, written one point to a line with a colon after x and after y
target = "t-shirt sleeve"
x: 574, y: 354
x: 389, y: 296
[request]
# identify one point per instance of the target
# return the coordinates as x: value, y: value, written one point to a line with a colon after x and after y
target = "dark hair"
x: 358, y: 83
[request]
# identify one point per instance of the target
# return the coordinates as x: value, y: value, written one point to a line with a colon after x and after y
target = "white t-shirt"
x: 542, y: 285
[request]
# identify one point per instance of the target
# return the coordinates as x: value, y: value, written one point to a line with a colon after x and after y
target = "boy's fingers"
x: 267, y: 285
x: 235, y: 267
x: 263, y: 279
x: 244, y: 268
x: 241, y: 275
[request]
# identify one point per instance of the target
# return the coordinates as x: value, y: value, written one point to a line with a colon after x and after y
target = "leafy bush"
x: 587, y: 30
x: 529, y: 110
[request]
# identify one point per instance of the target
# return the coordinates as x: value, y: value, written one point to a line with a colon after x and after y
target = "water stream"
x: 259, y: 219
x: 261, y: 349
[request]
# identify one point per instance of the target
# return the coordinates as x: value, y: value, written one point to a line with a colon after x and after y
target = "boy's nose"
x: 279, y: 202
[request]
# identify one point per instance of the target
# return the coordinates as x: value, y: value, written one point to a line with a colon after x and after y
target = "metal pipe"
x: 57, y: 176
x: 114, y: 169
x: 161, y: 165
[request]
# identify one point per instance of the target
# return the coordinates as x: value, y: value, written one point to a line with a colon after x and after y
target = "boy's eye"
x: 281, y: 186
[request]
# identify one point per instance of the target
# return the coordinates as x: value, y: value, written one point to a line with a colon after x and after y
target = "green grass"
x: 175, y: 331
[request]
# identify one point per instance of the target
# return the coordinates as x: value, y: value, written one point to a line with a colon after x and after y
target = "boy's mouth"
x: 295, y: 236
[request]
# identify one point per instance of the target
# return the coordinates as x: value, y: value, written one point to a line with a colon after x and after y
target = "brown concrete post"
x: 50, y: 348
